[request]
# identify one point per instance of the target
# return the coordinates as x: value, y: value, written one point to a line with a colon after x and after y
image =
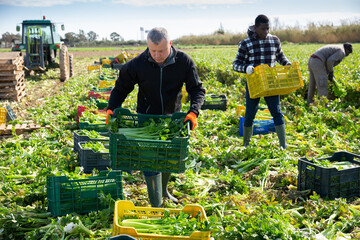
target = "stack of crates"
x: 82, y: 195
x: 99, y: 126
x: 88, y: 158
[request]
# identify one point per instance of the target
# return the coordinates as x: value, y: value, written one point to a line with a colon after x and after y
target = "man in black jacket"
x: 160, y: 72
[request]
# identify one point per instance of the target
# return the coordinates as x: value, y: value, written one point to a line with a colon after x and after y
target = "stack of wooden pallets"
x: 19, y: 128
x: 12, y: 76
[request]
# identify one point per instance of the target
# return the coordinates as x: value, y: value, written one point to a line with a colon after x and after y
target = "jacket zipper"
x: 161, y: 98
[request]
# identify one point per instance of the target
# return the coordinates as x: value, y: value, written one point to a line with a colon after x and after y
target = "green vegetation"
x: 251, y: 192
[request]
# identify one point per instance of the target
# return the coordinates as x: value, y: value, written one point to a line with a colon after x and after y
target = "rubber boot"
x: 280, y: 131
x: 165, y: 192
x: 247, y: 133
x: 154, y: 189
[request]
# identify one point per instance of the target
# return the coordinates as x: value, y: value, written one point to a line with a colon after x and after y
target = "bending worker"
x: 321, y: 67
x: 160, y: 72
x: 260, y: 48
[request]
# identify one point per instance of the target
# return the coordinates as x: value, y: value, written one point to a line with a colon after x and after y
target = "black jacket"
x: 159, y: 86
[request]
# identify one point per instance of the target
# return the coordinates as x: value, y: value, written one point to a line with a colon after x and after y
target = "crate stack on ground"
x: 107, y: 79
x: 91, y: 159
x: 94, y: 120
x: 12, y: 76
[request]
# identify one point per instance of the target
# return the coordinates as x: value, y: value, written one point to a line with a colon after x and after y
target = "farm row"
x: 247, y: 193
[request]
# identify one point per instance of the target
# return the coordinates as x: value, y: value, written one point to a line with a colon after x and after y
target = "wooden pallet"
x: 12, y: 76
x: 19, y: 128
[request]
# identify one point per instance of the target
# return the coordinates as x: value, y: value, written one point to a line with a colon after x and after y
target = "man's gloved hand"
x: 250, y: 69
x: 108, y: 113
x: 331, y: 76
x: 192, y: 118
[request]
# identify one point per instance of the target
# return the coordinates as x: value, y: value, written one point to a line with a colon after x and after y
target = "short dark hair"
x: 348, y: 47
x: 261, y: 19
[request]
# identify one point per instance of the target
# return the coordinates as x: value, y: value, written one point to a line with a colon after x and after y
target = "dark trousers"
x: 273, y: 103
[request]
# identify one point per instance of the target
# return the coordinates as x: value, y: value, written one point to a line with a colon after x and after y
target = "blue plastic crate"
x: 259, y: 126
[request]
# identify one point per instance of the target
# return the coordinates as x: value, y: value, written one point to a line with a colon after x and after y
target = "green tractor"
x: 42, y: 44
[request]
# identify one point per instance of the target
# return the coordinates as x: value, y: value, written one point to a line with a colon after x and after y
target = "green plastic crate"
x: 99, y: 127
x: 101, y: 90
x: 90, y: 160
x: 144, y: 154
x: 216, y: 102
x: 99, y: 104
x: 82, y: 195
x: 330, y: 182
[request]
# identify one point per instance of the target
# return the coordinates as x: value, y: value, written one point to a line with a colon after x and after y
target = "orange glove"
x: 192, y: 118
x: 108, y: 113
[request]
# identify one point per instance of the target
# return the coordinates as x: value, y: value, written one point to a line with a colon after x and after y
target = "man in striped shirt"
x: 260, y: 48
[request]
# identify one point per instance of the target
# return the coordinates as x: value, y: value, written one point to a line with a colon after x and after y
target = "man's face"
x: 159, y: 52
x: 262, y: 30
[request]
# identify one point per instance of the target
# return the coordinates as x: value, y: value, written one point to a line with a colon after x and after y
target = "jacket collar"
x: 170, y: 60
x: 251, y: 32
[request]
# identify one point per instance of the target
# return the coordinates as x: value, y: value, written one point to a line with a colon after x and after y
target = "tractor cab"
x: 42, y: 44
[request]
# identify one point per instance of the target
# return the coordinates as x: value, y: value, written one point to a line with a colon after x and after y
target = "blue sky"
x: 180, y: 17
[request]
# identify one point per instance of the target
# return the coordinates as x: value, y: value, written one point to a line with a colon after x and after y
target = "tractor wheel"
x: 71, y: 65
x: 64, y: 63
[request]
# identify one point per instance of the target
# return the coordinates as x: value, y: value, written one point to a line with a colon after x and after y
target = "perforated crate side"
x: 2, y: 115
x: 84, y: 138
x: 216, y: 103
x: 82, y: 195
x: 127, y: 209
x: 330, y: 182
x: 148, y: 155
x: 270, y: 81
x: 99, y: 127
x: 89, y: 159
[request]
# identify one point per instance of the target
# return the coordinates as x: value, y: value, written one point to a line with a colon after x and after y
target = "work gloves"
x: 114, y: 61
x: 250, y: 69
x: 108, y: 113
x: 331, y: 76
x: 192, y: 118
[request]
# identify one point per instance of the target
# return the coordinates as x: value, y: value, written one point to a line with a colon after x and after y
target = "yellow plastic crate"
x: 93, y: 67
x: 124, y: 208
x: 261, y: 114
x: 107, y: 84
x: 3, y: 115
x: 269, y: 81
